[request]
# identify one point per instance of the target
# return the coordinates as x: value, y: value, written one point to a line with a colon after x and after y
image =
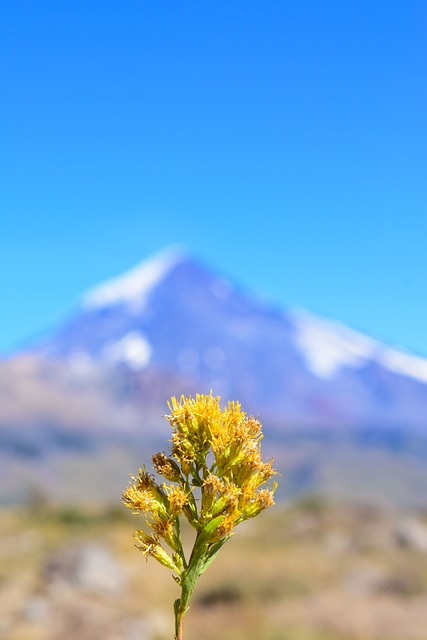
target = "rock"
x: 97, y: 570
x: 337, y: 542
x: 136, y: 629
x: 37, y: 609
x: 411, y: 533
x: 90, y: 567
x: 365, y: 580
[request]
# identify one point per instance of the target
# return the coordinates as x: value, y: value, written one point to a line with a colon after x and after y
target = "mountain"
x: 172, y: 325
x: 177, y: 316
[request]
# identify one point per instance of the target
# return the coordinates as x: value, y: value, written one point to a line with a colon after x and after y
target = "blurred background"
x: 226, y: 196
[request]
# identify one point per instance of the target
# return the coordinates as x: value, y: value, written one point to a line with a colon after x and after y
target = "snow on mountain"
x: 403, y: 363
x: 135, y: 285
x: 133, y: 350
x: 329, y: 345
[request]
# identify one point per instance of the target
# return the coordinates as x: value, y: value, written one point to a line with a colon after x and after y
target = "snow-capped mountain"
x: 176, y: 316
x: 343, y: 412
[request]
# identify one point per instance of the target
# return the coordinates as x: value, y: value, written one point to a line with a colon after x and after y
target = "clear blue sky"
x: 284, y: 142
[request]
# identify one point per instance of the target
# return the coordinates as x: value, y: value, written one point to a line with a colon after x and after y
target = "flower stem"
x: 189, y: 578
x: 179, y: 620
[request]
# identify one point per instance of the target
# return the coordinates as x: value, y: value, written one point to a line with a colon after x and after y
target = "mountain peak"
x: 134, y: 286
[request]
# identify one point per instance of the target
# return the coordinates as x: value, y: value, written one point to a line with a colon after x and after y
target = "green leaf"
x: 213, y: 552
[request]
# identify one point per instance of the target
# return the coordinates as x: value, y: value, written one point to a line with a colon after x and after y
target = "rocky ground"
x: 308, y: 571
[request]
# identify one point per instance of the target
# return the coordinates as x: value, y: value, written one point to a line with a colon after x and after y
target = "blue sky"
x: 283, y: 142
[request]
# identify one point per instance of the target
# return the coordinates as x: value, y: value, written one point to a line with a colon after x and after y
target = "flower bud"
x: 166, y: 467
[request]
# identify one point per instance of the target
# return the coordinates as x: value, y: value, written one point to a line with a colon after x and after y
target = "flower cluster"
x: 215, y: 477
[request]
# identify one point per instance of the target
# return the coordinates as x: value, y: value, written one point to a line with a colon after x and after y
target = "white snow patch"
x: 135, y: 285
x: 133, y: 350
x: 327, y: 346
x: 404, y: 363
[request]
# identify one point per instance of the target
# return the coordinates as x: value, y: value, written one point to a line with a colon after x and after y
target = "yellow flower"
x: 137, y: 500
x: 217, y: 479
x: 178, y: 499
x: 149, y: 545
x: 224, y: 528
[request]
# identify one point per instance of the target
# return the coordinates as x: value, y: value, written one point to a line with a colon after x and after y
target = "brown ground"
x: 307, y: 572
